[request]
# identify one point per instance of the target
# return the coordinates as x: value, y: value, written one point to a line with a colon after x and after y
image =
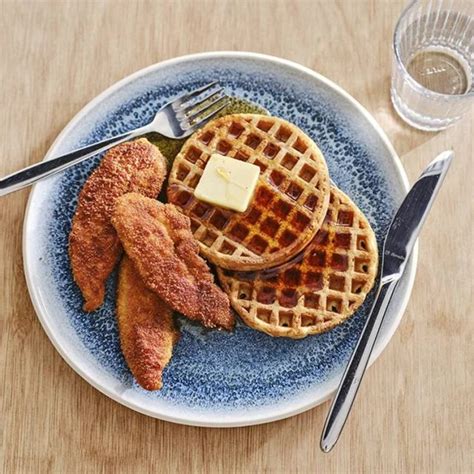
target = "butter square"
x: 227, y: 182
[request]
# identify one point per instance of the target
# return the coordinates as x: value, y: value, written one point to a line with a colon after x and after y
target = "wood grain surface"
x: 415, y: 410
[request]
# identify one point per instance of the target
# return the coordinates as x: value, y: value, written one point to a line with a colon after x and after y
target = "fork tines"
x: 197, y: 107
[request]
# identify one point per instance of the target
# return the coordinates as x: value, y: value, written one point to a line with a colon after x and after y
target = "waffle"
x: 319, y: 288
x: 290, y: 200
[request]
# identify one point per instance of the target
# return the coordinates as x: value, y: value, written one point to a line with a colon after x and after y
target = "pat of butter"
x: 227, y: 182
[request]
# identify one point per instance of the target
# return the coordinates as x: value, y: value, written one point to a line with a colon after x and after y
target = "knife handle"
x: 355, y: 369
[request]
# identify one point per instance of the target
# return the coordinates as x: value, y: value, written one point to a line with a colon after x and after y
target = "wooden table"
x: 415, y: 409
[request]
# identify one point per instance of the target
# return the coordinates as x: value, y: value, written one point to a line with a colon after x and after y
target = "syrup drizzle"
x: 323, y: 241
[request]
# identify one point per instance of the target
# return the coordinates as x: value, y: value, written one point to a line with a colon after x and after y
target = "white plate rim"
x: 186, y: 420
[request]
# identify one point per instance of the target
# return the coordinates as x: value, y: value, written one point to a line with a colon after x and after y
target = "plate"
x: 215, y: 378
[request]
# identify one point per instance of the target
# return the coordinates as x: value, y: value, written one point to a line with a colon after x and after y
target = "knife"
x: 399, y: 243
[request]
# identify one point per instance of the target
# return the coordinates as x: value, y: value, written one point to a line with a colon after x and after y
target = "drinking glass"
x: 433, y: 63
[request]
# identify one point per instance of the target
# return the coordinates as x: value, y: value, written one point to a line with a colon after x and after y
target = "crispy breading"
x: 146, y: 327
x: 94, y: 247
x: 158, y: 238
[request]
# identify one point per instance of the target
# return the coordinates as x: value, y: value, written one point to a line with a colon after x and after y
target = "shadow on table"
x: 404, y: 137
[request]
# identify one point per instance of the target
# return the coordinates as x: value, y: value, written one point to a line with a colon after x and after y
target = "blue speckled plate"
x: 215, y: 378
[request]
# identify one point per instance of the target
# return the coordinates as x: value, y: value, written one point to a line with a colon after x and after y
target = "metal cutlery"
x: 177, y: 119
x: 398, y: 246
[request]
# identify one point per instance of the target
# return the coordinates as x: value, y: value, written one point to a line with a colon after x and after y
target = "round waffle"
x: 319, y: 288
x: 290, y: 199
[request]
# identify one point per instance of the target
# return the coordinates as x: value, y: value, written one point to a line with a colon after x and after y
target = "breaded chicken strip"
x: 158, y: 238
x: 146, y: 328
x: 94, y: 247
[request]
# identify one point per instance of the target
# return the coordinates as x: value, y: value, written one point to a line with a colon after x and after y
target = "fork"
x: 177, y: 119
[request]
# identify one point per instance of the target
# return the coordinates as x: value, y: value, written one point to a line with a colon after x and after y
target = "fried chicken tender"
x: 158, y: 239
x: 146, y: 327
x: 94, y: 247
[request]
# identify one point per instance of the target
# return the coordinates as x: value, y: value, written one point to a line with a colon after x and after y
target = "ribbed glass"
x: 433, y: 63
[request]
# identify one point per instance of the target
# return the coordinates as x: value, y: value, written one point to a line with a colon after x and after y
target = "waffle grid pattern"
x: 319, y: 289
x: 290, y: 200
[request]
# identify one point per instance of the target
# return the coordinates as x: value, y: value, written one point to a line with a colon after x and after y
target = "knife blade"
x: 399, y: 242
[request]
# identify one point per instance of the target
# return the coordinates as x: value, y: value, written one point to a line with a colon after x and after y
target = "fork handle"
x: 27, y: 176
